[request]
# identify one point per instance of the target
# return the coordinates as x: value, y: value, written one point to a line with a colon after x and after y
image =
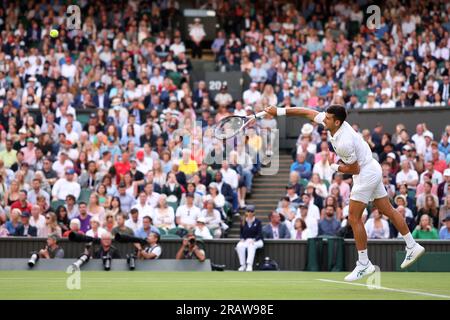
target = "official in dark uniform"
x: 251, y: 239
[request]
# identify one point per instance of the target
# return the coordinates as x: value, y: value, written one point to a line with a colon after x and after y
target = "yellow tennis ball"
x: 54, y: 33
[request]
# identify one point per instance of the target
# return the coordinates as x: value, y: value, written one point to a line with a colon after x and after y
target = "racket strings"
x: 229, y: 127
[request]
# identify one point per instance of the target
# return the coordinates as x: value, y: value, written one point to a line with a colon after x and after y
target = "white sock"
x: 410, y: 242
x: 363, y: 257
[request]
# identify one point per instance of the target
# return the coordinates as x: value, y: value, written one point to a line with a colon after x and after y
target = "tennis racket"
x: 230, y: 126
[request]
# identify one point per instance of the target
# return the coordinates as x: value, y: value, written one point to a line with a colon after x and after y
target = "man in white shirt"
x: 356, y: 159
x: 229, y: 175
x: 152, y: 196
x: 134, y: 222
x: 37, y: 220
x: 252, y: 96
x: 407, y: 175
x: 62, y: 164
x: 178, y: 46
x: 312, y: 224
x: 197, y: 33
x: 419, y: 138
x: 386, y: 102
x: 68, y: 70
x: 65, y: 186
x: 322, y: 168
x: 143, y: 207
x: 187, y: 214
x: 436, y: 176
x: 144, y: 164
x: 313, y: 210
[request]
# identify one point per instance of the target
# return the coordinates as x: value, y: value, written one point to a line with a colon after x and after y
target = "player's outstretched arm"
x: 296, y: 111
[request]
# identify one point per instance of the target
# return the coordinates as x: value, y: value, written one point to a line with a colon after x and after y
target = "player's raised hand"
x: 271, y: 110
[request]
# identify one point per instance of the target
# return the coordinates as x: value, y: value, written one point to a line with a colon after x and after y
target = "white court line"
x: 388, y: 289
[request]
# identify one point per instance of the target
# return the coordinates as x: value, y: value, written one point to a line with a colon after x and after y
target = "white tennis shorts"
x: 368, y: 184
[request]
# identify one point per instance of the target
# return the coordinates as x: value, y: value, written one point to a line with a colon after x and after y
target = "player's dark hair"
x: 338, y: 111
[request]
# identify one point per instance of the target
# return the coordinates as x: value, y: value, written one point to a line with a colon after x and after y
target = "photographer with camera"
x: 106, y: 249
x: 52, y: 250
x: 190, y: 250
x: 152, y: 251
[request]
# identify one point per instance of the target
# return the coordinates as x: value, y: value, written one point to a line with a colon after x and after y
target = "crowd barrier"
x: 291, y: 255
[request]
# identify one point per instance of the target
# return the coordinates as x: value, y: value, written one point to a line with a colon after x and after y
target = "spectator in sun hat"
x: 201, y: 230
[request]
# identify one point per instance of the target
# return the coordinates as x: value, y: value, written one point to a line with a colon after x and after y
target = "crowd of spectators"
x: 317, y: 52
x: 141, y: 163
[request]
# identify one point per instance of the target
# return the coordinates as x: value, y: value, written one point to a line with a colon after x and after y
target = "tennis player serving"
x: 356, y: 159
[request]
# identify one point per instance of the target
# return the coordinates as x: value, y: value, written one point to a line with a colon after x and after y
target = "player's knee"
x: 353, y: 219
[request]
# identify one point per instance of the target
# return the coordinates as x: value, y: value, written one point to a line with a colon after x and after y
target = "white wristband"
x: 281, y: 111
x: 334, y: 167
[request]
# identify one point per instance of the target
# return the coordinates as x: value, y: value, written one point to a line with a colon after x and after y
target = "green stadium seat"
x: 55, y: 204
x: 304, y: 182
x: 162, y: 231
x: 83, y: 118
x: 169, y: 236
x: 84, y: 195
x: 361, y: 95
x: 173, y: 205
x: 176, y: 231
x: 412, y: 194
x: 176, y: 78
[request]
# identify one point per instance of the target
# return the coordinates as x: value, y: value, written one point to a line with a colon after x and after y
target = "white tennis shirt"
x: 348, y: 144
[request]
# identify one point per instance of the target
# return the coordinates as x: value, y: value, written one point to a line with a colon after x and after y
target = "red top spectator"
x: 22, y: 204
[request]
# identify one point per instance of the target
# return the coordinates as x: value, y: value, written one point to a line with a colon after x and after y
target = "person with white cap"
x: 252, y: 96
x: 419, y: 138
x: 22, y: 141
x: 356, y: 159
x: 371, y: 102
x: 197, y: 34
x: 201, y: 230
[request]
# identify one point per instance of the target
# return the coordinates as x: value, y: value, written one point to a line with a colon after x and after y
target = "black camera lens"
x: 192, y: 241
x: 107, y: 263
x: 33, y: 259
x: 131, y: 262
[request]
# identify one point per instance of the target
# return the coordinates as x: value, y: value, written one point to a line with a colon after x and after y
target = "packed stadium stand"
x: 119, y: 115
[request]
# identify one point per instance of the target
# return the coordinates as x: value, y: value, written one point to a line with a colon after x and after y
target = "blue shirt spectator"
x: 301, y: 166
x: 329, y: 226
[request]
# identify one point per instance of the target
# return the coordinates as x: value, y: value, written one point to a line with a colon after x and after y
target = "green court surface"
x: 221, y: 285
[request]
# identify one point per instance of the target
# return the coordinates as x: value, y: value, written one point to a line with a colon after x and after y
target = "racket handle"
x: 260, y: 114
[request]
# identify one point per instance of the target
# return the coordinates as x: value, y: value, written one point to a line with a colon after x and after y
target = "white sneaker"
x: 242, y: 268
x: 412, y: 255
x: 242, y: 204
x: 360, y: 271
x: 249, y: 268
